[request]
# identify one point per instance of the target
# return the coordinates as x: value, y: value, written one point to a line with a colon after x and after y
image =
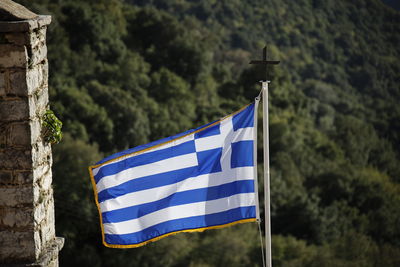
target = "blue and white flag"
x: 200, y: 179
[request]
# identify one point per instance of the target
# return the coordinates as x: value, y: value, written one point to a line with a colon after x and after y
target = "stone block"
x: 17, y: 38
x: 20, y: 134
x: 43, y: 20
x: 38, y: 54
x: 24, y: 83
x: 40, y: 154
x: 49, y: 257
x: 38, y: 243
x: 40, y: 212
x: 36, y: 130
x: 45, y: 181
x: 18, y: 83
x: 14, y: 110
x: 47, y: 233
x: 44, y: 67
x: 3, y: 83
x: 6, y: 177
x: 15, y: 159
x: 34, y: 78
x: 16, y: 195
x: 21, y: 218
x: 38, y: 37
x: 36, y: 193
x: 38, y: 102
x: 17, y: 246
x: 40, y: 195
x: 3, y: 135
x: 40, y: 170
x: 18, y: 26
x: 13, y: 56
x: 22, y: 177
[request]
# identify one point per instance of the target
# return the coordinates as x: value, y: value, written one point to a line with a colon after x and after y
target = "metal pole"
x: 266, y: 175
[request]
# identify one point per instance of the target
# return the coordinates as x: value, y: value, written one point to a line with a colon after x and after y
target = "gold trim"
x: 180, y: 231
x: 170, y: 141
x: 96, y: 199
x: 168, y: 234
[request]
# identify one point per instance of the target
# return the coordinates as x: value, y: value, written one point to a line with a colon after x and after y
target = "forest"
x: 124, y: 73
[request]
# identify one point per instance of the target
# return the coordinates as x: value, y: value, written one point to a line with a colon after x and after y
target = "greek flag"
x: 200, y: 179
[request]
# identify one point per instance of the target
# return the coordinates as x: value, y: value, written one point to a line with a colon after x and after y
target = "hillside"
x: 120, y: 70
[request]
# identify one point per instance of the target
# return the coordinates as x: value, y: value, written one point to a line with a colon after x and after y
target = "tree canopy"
x: 124, y: 73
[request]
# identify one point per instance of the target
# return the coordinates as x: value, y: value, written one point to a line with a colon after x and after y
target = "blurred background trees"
x: 124, y: 73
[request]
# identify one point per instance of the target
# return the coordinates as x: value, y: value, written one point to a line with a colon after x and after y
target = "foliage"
x: 123, y: 73
x: 52, y: 128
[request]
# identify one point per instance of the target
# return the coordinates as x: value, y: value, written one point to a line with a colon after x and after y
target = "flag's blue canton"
x: 199, y: 180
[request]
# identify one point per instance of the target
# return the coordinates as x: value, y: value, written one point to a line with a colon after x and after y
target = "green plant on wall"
x: 51, y: 128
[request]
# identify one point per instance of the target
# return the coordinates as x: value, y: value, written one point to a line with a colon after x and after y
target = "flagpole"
x: 267, y: 201
x: 266, y: 175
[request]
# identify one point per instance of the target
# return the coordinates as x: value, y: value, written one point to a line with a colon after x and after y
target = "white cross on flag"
x: 200, y: 179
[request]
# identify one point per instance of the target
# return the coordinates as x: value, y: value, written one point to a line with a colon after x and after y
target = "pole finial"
x: 265, y: 62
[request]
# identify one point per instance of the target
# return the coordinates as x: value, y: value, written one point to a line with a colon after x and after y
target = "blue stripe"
x: 210, y: 131
x: 154, y: 143
x: 145, y: 146
x: 239, y: 121
x: 208, y: 162
x: 180, y: 198
x: 195, y: 222
x: 146, y: 158
x: 244, y: 119
x: 148, y: 182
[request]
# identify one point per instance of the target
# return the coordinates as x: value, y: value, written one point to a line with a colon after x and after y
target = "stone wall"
x: 27, y: 233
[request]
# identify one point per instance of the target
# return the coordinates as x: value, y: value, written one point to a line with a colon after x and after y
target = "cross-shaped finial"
x: 265, y: 62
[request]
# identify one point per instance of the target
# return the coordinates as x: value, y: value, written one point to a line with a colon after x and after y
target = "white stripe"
x: 216, y: 141
x: 166, y: 165
x: 167, y: 145
x: 154, y: 194
x: 179, y: 212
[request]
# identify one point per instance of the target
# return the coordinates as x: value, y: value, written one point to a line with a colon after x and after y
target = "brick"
x: 13, y: 110
x: 20, y: 134
x: 17, y: 246
x: 15, y: 196
x: 13, y: 56
x: 17, y: 218
x: 15, y: 159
